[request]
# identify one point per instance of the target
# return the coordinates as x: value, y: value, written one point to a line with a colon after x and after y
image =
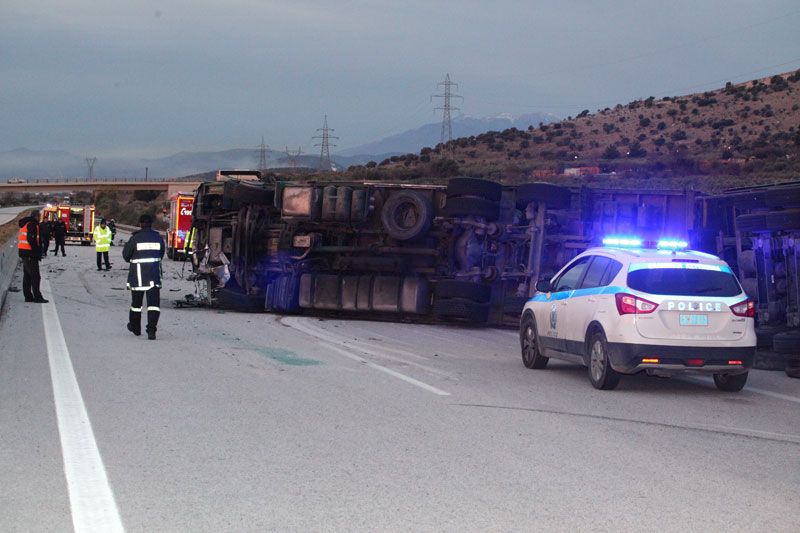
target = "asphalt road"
x: 258, y: 422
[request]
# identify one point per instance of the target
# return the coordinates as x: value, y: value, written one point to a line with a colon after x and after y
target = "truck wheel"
x: 787, y: 343
x: 488, y: 190
x: 249, y: 193
x: 601, y: 374
x: 529, y: 343
x: 477, y: 292
x: 554, y: 196
x: 752, y: 222
x: 730, y: 382
x: 407, y: 215
x: 460, y: 309
x: 783, y: 220
x: 170, y: 253
x: 477, y: 207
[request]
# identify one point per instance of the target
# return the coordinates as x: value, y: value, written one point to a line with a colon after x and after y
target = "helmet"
x: 102, y: 219
x: 112, y: 220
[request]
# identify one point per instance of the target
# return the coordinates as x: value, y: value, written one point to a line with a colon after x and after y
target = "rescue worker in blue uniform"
x: 144, y: 251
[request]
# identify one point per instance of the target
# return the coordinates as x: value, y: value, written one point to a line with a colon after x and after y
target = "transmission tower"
x: 262, y: 161
x: 91, y: 161
x: 325, y: 154
x: 292, y: 155
x: 446, y: 108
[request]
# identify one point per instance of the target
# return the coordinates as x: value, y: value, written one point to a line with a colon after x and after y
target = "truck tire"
x: 247, y: 193
x: 407, y: 215
x: 488, y: 190
x: 554, y: 196
x: 754, y: 222
x: 464, y: 206
x: 783, y: 220
x: 477, y: 292
x: 461, y: 309
x: 787, y: 343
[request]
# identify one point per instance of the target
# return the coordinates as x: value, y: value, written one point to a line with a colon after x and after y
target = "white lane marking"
x: 398, y: 375
x: 91, y: 499
x: 751, y: 389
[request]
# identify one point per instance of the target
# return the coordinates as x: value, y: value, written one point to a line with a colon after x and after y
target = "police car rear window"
x: 682, y: 279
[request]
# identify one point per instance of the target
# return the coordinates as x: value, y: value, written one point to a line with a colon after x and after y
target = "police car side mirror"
x: 543, y: 285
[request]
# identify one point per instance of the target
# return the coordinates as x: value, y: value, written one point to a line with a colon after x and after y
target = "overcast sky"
x: 151, y: 78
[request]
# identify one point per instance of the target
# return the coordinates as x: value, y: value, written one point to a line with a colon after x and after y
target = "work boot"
x: 40, y: 300
x: 151, y: 333
x: 133, y: 329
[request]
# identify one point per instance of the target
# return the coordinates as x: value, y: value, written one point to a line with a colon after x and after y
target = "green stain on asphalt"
x: 286, y: 357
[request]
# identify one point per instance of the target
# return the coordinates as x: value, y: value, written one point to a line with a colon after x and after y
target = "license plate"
x: 693, y: 320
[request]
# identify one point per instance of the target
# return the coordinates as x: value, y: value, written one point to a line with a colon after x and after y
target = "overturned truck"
x: 470, y: 250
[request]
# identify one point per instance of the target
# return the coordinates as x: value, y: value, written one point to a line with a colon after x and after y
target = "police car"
x: 625, y: 308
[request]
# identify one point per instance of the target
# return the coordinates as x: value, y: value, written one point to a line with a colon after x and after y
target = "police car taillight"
x: 629, y: 304
x: 746, y: 308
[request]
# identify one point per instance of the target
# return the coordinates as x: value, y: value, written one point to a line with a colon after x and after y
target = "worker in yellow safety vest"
x: 102, y: 242
x: 188, y: 244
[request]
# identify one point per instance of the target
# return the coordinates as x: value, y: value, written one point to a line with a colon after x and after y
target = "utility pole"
x: 446, y: 108
x: 91, y: 161
x: 293, y: 156
x: 325, y: 154
x: 262, y: 161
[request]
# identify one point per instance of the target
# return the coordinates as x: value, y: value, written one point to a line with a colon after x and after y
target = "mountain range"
x: 32, y: 164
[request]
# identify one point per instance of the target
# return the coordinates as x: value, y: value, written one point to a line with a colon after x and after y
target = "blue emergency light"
x: 672, y: 244
x: 623, y: 242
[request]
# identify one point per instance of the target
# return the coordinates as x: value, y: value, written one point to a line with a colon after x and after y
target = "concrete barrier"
x: 9, y: 259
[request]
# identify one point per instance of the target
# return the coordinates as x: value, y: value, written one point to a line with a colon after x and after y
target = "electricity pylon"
x: 447, y: 126
x: 325, y: 154
x: 91, y: 161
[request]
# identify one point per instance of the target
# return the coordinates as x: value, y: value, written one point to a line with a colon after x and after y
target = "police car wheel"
x: 729, y: 382
x: 601, y: 374
x: 531, y: 356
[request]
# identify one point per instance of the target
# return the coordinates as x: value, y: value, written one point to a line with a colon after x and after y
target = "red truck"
x: 180, y: 223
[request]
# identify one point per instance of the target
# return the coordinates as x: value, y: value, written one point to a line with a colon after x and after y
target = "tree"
x: 611, y: 152
x: 636, y: 150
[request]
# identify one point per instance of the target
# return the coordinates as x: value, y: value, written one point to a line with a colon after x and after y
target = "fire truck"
x: 79, y: 220
x: 180, y: 223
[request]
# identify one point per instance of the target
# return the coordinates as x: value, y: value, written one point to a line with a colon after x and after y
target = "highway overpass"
x: 43, y: 185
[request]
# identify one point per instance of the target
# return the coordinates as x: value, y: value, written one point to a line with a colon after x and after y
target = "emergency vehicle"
x: 180, y: 224
x: 624, y: 308
x: 79, y: 220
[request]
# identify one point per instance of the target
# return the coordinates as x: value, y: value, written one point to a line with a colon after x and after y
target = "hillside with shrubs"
x: 737, y: 135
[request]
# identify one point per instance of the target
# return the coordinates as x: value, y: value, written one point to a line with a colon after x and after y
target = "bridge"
x: 113, y: 184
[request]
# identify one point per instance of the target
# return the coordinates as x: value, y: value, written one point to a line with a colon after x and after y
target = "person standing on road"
x: 44, y: 236
x: 112, y: 225
x: 144, y: 251
x: 30, y: 253
x: 60, y: 232
x: 102, y: 240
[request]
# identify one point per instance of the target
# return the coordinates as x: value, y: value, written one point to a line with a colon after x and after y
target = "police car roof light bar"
x: 623, y: 242
x: 672, y: 244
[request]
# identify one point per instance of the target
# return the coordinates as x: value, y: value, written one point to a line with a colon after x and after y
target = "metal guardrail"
x: 9, y: 259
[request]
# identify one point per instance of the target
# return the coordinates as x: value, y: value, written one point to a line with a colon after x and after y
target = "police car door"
x: 583, y: 305
x: 561, y: 292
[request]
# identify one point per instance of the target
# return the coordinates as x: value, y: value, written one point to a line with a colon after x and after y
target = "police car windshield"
x: 714, y: 281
